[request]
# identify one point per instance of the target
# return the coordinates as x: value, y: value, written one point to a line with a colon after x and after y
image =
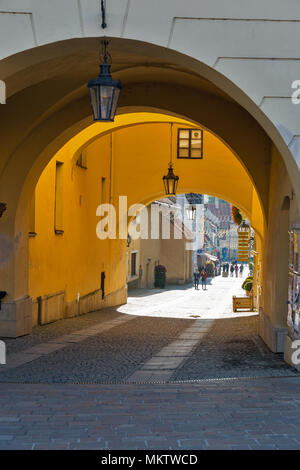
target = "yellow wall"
x: 74, y: 260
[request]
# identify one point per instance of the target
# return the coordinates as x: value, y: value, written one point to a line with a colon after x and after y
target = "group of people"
x: 233, y: 268
x: 200, y: 274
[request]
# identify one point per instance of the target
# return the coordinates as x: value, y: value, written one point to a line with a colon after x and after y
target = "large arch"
x: 48, y: 104
x: 131, y: 156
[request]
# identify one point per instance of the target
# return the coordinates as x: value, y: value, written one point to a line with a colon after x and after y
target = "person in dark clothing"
x: 196, y: 279
x: 236, y: 269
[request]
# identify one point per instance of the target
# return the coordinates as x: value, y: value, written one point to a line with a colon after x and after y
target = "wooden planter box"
x: 242, y: 303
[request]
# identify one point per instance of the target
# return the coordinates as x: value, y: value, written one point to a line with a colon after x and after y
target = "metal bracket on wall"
x: 103, y: 13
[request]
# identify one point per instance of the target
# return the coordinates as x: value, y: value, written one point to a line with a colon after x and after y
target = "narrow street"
x: 186, y: 302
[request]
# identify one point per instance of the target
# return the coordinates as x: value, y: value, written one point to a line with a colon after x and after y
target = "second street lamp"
x: 170, y: 182
x: 104, y: 91
x: 191, y: 212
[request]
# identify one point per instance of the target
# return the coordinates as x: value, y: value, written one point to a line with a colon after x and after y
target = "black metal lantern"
x: 170, y: 180
x: 191, y: 212
x: 104, y: 91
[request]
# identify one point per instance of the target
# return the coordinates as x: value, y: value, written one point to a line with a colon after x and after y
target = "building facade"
x: 172, y: 252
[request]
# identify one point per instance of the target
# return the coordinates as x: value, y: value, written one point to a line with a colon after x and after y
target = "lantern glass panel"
x: 106, y: 96
x: 115, y: 102
x: 175, y: 184
x: 94, y: 101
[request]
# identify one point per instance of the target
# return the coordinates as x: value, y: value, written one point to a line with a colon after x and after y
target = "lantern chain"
x: 171, y: 143
x: 103, y: 13
x: 104, y: 55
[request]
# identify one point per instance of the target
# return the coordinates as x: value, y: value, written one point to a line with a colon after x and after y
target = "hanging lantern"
x: 191, y: 212
x: 170, y: 182
x: 104, y: 91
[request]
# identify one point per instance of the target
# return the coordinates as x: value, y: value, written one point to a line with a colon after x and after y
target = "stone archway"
x: 48, y: 105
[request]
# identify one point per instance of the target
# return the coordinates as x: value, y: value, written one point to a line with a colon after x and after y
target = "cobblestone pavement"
x: 54, y: 330
x: 244, y: 414
x: 109, y: 356
x: 144, y: 349
x: 69, y: 402
x: 232, y: 348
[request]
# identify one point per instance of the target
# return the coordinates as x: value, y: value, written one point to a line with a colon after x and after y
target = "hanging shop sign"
x: 243, y: 242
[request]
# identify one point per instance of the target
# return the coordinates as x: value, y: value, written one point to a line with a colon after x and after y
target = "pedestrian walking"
x: 231, y: 270
x: 236, y: 268
x: 203, y: 279
x: 196, y: 279
x: 241, y: 270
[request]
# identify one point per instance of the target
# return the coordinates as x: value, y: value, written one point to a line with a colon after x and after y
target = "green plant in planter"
x: 248, y: 284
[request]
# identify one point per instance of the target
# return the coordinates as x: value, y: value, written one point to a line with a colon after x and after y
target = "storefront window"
x: 294, y: 283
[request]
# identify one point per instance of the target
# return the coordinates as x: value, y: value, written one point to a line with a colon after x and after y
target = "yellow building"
x: 172, y: 252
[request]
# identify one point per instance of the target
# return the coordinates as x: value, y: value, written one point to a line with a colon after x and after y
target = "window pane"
x: 196, y: 134
x: 184, y: 134
x: 183, y: 153
x: 183, y: 143
x: 196, y: 144
x: 195, y: 153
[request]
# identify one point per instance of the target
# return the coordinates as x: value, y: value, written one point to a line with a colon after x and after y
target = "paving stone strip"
x: 162, y: 366
x: 30, y: 354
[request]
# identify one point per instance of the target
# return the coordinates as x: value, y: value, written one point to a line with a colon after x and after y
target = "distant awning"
x: 211, y: 257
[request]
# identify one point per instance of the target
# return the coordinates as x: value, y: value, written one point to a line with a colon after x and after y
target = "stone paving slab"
x: 253, y: 414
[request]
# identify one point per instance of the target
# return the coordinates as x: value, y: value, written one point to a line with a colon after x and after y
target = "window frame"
x: 189, y: 148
